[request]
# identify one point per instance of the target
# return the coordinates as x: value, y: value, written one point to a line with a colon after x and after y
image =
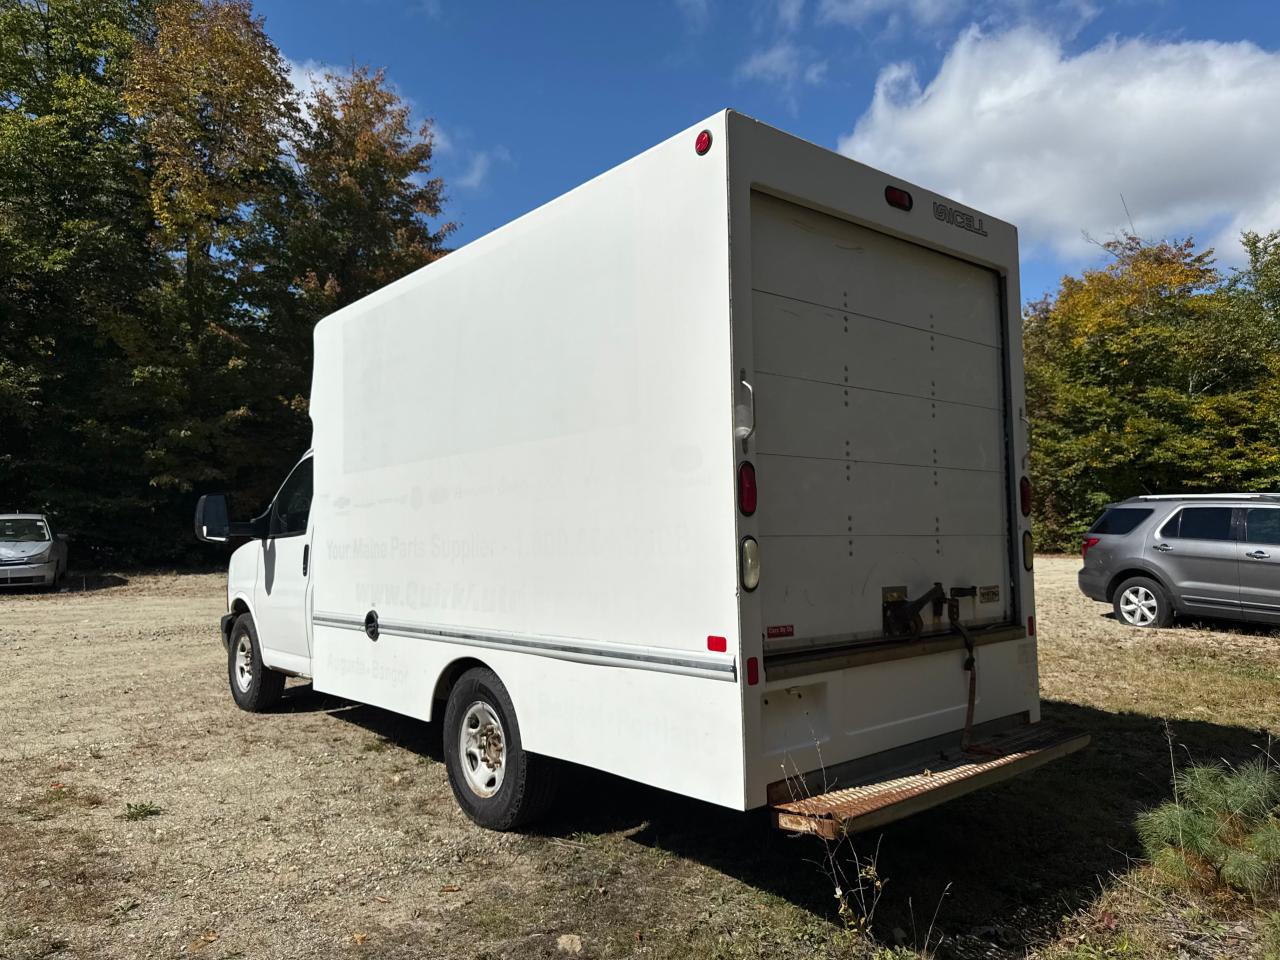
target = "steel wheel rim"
x: 482, y: 749
x: 1139, y: 606
x: 244, y: 664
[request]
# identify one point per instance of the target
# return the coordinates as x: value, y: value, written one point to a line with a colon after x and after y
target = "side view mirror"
x: 62, y: 537
x: 212, y: 522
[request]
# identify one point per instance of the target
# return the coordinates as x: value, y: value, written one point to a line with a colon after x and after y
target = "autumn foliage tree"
x: 174, y: 217
x: 1156, y: 373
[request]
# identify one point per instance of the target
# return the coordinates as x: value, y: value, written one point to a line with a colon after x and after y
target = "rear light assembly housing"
x: 1028, y: 551
x: 1024, y: 496
x: 1084, y: 547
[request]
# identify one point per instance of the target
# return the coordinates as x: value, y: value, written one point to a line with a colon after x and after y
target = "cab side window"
x: 292, y: 508
x: 1262, y: 525
x: 1199, y: 523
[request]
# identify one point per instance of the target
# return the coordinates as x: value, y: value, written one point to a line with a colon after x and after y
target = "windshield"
x: 23, y: 529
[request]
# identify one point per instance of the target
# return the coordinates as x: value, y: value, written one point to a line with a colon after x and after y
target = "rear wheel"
x: 254, y: 686
x: 1141, y: 602
x: 496, y: 783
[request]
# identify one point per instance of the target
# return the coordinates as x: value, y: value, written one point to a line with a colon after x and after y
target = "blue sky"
x: 1046, y: 114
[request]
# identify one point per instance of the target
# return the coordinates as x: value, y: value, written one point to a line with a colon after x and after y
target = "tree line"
x: 175, y: 216
x: 1158, y: 372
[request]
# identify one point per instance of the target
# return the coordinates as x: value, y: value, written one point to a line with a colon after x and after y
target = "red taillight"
x: 1024, y: 496
x: 898, y: 197
x: 1031, y: 626
x: 717, y: 644
x: 703, y: 143
x: 1084, y: 547
x: 753, y: 671
x: 747, y: 488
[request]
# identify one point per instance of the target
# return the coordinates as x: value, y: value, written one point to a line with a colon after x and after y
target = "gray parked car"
x: 31, y: 553
x: 1218, y: 556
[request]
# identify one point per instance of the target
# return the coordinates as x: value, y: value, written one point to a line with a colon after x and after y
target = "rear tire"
x: 255, y: 687
x: 1141, y: 602
x: 496, y: 783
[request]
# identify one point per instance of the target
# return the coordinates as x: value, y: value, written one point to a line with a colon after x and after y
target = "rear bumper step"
x: 910, y: 788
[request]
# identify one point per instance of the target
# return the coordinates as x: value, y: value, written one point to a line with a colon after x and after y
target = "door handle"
x: 744, y: 415
x: 306, y: 555
x: 1162, y: 547
x: 1258, y: 555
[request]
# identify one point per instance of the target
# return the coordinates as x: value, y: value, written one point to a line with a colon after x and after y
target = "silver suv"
x: 1217, y: 556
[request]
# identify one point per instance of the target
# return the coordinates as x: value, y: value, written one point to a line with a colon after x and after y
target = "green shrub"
x: 1222, y: 827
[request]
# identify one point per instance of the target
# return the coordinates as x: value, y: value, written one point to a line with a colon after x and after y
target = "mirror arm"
x: 256, y: 529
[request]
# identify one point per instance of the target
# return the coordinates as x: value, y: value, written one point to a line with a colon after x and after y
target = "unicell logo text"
x: 959, y: 218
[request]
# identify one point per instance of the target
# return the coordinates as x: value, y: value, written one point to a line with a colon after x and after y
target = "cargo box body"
x: 527, y: 455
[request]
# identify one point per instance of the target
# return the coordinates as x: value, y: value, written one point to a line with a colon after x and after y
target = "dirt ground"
x: 142, y: 815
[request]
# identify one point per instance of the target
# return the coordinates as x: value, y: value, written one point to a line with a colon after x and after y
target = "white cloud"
x: 696, y: 13
x: 480, y: 166
x: 785, y: 66
x: 858, y: 12
x: 789, y: 13
x: 933, y: 15
x: 1014, y: 126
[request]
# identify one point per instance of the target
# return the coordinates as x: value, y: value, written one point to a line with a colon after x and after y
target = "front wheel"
x: 1141, y: 602
x: 254, y: 686
x: 496, y: 783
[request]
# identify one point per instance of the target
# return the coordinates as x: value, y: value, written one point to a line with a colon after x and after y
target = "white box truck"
x: 709, y: 474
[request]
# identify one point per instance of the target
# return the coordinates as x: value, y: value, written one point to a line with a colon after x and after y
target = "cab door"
x: 281, y: 595
x: 1260, y: 564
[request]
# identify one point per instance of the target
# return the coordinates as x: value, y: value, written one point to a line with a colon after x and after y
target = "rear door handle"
x: 1162, y: 547
x: 306, y: 555
x: 1258, y: 555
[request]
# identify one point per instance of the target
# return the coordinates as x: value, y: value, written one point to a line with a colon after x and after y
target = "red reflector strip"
x: 717, y: 644
x: 753, y: 671
x: 747, y: 488
x: 1031, y: 626
x: 897, y: 197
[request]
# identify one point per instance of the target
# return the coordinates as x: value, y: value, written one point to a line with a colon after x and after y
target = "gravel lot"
x: 142, y: 815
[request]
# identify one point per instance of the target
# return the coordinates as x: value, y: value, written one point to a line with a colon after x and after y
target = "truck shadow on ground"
x: 1001, y: 867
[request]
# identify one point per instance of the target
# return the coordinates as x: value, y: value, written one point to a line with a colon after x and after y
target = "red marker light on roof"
x: 897, y: 197
x: 703, y: 144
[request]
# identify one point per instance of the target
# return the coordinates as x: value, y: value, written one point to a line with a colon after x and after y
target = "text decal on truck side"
x: 959, y: 218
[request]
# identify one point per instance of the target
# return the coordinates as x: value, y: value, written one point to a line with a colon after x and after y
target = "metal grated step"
x: 903, y: 791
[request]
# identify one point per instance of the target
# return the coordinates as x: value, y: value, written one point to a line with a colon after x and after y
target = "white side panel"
x: 532, y: 438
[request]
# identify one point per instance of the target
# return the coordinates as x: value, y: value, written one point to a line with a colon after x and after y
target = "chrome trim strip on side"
x: 660, y: 659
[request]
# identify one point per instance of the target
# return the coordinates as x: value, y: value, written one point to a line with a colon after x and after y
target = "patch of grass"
x: 141, y: 811
x: 376, y: 745
x: 1221, y: 829
x: 1271, y: 936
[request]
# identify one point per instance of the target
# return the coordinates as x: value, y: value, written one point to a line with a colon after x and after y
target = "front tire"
x: 255, y: 687
x: 1141, y: 602
x: 496, y: 783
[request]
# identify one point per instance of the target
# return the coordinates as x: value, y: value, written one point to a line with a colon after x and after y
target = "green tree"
x: 1153, y: 374
x: 75, y: 259
x: 362, y: 210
